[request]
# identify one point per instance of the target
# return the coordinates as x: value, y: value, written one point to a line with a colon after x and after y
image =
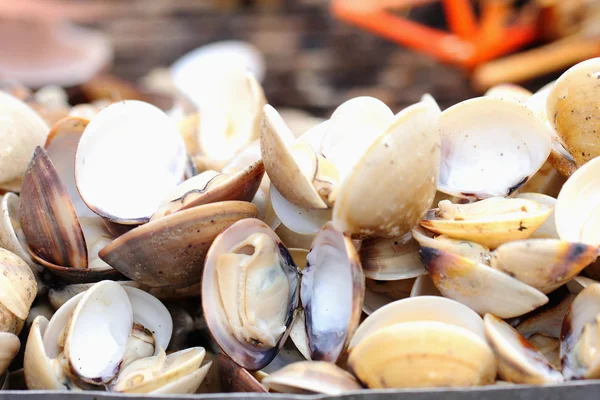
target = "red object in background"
x: 469, y: 43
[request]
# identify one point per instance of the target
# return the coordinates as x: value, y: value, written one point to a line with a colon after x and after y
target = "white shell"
x: 490, y: 147
x: 129, y: 155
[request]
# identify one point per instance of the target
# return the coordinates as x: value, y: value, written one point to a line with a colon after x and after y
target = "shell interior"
x: 129, y: 155
x: 332, y: 283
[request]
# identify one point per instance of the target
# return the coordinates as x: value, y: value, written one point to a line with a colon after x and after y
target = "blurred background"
x: 313, y: 54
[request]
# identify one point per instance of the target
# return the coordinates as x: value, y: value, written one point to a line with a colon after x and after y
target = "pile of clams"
x: 231, y: 247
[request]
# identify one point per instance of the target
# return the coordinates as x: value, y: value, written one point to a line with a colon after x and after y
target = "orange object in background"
x: 469, y: 41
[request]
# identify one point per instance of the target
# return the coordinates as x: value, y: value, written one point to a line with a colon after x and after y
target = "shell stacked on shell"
x: 373, y: 249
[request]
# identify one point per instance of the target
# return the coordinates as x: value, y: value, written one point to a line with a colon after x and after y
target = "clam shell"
x: 353, y: 127
x: 478, y: 286
x: 544, y: 264
x: 187, y: 384
x: 303, y: 221
x: 284, y: 171
x: 367, y: 205
x: 246, y: 355
x: 579, y: 336
x: 509, y: 91
x: 577, y: 206
x: 549, y: 347
x: 424, y: 286
x: 573, y: 112
x: 19, y: 287
x: 48, y: 218
x: 40, y: 370
x: 129, y: 155
x: 11, y: 234
x: 241, y: 186
x: 236, y: 379
x: 104, y: 312
x: 547, y: 320
x: 489, y: 222
x: 465, y: 248
x: 311, y: 377
x: 170, y: 251
x: 230, y: 117
x: 391, y: 259
x: 518, y: 360
x: 155, y: 373
x: 423, y: 354
x: 490, y: 147
x: 423, y: 308
x: 548, y: 229
x: 22, y: 131
x: 9, y: 347
x: 331, y: 291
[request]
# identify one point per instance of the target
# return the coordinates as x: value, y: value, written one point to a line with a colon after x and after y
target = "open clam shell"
x: 283, y: 169
x: 118, y: 183
x: 332, y: 290
x: 518, y: 360
x: 250, y: 325
x: 577, y: 206
x: 490, y: 147
x: 580, y: 335
x: 572, y: 110
x: 331, y: 313
x: 544, y: 264
x: 489, y: 222
x: 478, y: 286
x: 311, y: 377
x: 22, y: 130
x: 179, y: 243
x: 406, y: 355
x: 366, y: 205
x: 104, y: 313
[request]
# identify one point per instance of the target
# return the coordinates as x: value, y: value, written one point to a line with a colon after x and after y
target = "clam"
x: 518, y: 360
x: 490, y: 222
x: 510, y: 91
x: 306, y: 377
x: 579, y: 336
x: 422, y: 342
x: 465, y: 248
x: 130, y: 328
x: 490, y: 147
x: 577, y: 206
x: 170, y: 251
x: 22, y: 131
x: 544, y: 264
x: 482, y: 288
x: 310, y: 185
x: 250, y: 293
x: 19, y: 290
x: 120, y: 185
x: 230, y: 103
x: 391, y: 259
x: 9, y: 347
x: 549, y: 347
x: 572, y: 110
x: 56, y: 237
